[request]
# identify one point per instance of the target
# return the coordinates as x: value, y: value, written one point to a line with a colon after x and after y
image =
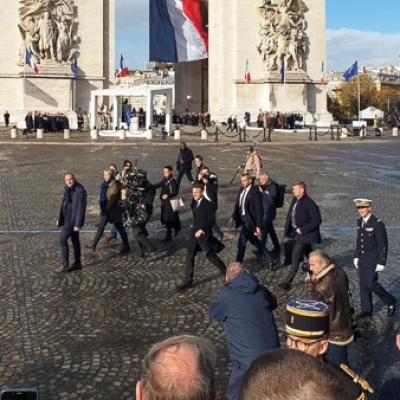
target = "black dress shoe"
x: 363, y: 314
x: 177, y: 231
x: 75, y: 267
x: 124, y: 251
x: 391, y: 310
x: 285, y: 286
x: 184, y: 286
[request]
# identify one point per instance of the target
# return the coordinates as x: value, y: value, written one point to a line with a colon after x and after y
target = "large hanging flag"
x: 247, y: 75
x: 29, y: 61
x: 177, y: 32
x: 352, y: 71
x: 123, y: 69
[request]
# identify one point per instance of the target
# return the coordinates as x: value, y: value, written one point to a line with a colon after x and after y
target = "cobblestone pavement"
x: 82, y: 335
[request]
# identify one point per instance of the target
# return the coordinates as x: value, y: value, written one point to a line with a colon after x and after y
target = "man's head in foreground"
x: 179, y: 368
x: 285, y: 374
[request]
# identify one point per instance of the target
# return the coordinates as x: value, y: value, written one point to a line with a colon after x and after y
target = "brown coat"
x: 331, y: 286
x: 253, y: 165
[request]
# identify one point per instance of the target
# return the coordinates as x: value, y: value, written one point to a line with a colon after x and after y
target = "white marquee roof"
x: 135, y: 91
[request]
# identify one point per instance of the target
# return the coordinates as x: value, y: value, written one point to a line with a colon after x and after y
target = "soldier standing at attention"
x: 370, y: 258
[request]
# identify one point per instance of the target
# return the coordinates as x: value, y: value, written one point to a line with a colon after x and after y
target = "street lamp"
x: 188, y: 98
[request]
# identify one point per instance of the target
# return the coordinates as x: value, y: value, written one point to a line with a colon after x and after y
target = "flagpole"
x: 24, y: 83
x: 359, y: 95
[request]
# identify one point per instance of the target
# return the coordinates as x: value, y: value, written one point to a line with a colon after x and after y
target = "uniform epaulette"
x: 357, y: 379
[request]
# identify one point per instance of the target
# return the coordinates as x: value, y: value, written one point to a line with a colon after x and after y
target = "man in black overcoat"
x: 303, y: 225
x: 184, y: 163
x: 370, y: 258
x: 247, y: 215
x: 201, y: 237
x: 71, y: 219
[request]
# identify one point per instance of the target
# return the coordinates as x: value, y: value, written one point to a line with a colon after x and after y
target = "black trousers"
x: 269, y: 229
x: 300, y: 250
x: 247, y: 235
x: 65, y: 235
x: 369, y: 285
x: 193, y: 248
x: 140, y: 235
x: 184, y: 171
x: 118, y: 225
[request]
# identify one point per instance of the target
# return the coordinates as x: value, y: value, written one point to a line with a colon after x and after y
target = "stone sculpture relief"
x: 283, y: 37
x: 48, y: 29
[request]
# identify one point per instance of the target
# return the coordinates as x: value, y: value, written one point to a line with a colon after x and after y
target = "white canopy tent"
x: 149, y: 92
x: 371, y: 113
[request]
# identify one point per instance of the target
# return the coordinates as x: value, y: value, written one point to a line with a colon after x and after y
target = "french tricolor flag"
x: 123, y: 69
x: 178, y: 30
x: 29, y: 61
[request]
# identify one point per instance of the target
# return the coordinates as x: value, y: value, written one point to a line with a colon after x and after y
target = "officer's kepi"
x: 362, y: 203
x: 307, y: 319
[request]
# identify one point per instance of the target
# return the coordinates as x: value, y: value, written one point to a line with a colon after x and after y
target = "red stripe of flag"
x: 192, y: 10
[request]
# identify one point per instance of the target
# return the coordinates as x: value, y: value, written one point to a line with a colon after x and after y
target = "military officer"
x: 307, y: 330
x: 370, y: 258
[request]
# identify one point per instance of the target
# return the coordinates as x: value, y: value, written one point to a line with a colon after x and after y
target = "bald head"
x: 179, y: 368
x: 233, y: 270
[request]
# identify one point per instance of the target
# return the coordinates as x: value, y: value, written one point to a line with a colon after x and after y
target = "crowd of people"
x: 49, y: 122
x: 320, y: 326
x: 276, y: 120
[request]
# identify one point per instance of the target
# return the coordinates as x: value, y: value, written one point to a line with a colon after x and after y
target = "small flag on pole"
x: 323, y: 74
x: 123, y: 69
x: 247, y: 75
x: 352, y: 71
x: 283, y: 72
x: 74, y: 66
x: 29, y: 61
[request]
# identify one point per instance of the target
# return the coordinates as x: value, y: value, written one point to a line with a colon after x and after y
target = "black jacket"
x: 185, y: 155
x: 204, y: 219
x: 73, y: 207
x: 170, y: 188
x: 372, y: 242
x: 269, y: 197
x: 254, y: 209
x: 307, y: 218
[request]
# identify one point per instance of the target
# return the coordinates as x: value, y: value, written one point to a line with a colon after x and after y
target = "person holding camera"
x: 329, y: 283
x: 169, y: 190
x: 111, y: 212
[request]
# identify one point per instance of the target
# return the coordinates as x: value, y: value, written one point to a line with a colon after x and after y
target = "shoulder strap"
x: 357, y: 379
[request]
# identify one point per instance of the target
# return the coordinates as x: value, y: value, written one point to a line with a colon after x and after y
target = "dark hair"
x: 184, y: 144
x: 198, y: 185
x: 169, y: 167
x: 126, y: 162
x: 246, y: 175
x: 158, y: 384
x: 285, y: 374
x: 199, y: 157
x: 69, y: 173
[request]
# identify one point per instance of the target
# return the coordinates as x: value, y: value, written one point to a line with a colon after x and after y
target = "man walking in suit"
x: 201, y: 238
x: 370, y: 258
x: 302, y: 224
x: 71, y: 218
x: 247, y: 215
x: 184, y: 163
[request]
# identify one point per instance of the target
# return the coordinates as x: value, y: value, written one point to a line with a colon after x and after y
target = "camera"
x: 306, y: 268
x: 139, y: 195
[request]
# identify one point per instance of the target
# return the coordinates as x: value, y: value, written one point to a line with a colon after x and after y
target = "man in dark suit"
x: 6, y: 119
x: 71, y: 218
x: 302, y: 224
x: 201, y: 238
x: 370, y: 258
x: 248, y: 215
x: 184, y: 163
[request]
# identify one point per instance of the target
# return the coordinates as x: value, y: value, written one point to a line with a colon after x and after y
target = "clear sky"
x: 367, y: 30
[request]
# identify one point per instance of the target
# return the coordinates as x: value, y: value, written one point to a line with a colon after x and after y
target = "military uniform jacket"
x: 372, y: 242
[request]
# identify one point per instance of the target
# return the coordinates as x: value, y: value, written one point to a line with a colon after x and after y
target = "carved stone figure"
x: 48, y: 30
x: 283, y: 34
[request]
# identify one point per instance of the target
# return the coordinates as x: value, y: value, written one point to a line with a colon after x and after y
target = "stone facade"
x: 54, y: 89
x: 266, y: 33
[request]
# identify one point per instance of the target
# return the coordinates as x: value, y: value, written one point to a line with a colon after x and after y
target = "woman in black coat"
x: 169, y: 190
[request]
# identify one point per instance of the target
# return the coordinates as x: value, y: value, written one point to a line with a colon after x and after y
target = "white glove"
x: 356, y: 260
x: 379, y: 268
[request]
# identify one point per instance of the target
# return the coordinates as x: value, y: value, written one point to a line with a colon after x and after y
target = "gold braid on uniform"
x: 358, y: 380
